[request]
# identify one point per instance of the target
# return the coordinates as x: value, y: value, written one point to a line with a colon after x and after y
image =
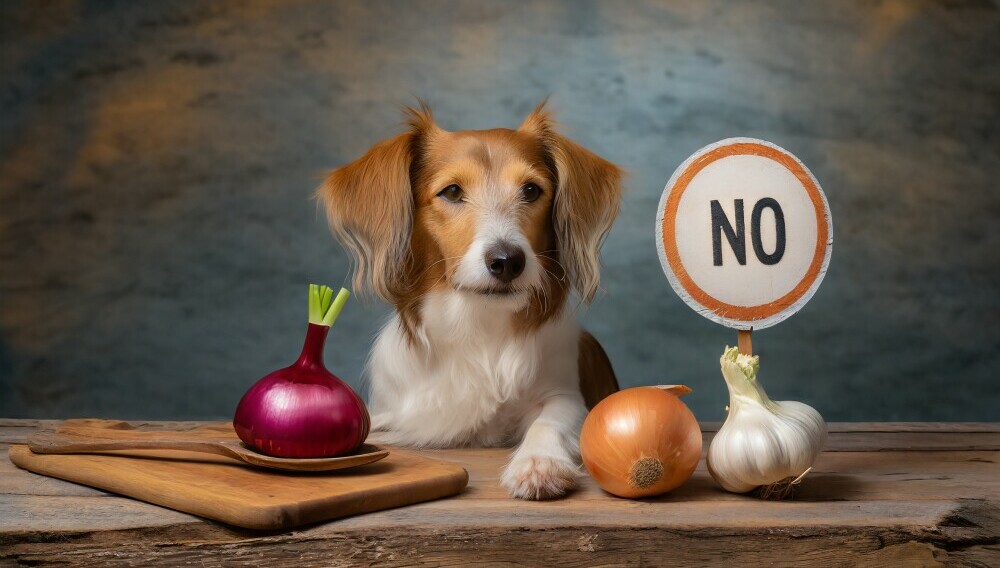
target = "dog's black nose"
x: 505, y: 261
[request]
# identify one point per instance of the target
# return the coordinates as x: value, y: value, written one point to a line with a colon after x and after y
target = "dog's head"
x: 506, y: 216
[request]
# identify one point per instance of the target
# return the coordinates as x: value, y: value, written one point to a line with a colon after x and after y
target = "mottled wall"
x: 157, y: 161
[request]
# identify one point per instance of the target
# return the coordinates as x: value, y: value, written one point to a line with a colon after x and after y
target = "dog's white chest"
x: 470, y: 379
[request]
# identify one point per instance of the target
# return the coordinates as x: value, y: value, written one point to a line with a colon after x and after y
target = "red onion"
x: 304, y: 411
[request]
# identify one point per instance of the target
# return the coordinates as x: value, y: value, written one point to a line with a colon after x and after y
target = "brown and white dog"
x: 478, y: 239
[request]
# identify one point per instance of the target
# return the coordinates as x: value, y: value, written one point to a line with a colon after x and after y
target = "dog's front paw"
x: 539, y: 477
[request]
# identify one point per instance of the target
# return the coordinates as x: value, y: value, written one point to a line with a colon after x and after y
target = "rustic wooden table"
x: 909, y: 494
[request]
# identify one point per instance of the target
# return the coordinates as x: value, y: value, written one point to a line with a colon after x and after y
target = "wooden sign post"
x: 744, y: 234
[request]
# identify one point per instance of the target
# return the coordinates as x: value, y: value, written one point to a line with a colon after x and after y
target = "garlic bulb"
x: 762, y: 441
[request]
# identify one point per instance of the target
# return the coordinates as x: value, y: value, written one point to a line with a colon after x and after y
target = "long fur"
x: 459, y: 364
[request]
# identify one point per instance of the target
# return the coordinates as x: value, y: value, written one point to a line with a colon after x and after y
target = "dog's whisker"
x: 554, y: 276
x: 444, y: 274
x: 435, y: 263
x: 545, y: 256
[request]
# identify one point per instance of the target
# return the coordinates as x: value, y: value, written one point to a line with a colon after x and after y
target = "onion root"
x: 645, y: 472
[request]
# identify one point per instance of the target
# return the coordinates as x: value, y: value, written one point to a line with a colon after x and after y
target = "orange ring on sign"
x: 744, y: 313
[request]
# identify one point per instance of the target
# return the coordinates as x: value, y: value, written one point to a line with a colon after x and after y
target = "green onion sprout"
x: 323, y: 307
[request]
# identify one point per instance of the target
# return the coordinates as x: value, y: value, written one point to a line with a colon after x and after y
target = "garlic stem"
x: 740, y: 372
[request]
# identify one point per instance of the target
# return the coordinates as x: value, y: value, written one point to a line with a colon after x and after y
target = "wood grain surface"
x: 913, y: 494
x: 219, y: 488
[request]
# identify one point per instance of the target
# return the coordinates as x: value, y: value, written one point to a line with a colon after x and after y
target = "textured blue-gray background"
x: 157, y: 161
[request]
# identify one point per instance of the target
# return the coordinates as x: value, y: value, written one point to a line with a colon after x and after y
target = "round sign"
x: 744, y: 233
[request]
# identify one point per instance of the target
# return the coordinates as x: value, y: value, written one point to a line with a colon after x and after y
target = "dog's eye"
x: 452, y: 193
x: 530, y: 192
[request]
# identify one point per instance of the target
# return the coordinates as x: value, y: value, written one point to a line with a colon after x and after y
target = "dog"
x: 479, y: 239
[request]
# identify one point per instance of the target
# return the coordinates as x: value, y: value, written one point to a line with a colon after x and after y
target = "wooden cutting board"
x: 221, y: 489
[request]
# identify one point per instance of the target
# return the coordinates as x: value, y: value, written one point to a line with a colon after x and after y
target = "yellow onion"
x: 641, y: 442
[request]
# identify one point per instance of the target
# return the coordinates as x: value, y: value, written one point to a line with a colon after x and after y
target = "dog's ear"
x: 587, y: 200
x: 369, y: 204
